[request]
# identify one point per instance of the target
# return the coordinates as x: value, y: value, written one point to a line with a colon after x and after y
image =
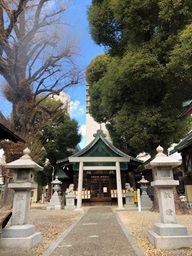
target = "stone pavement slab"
x: 97, y: 233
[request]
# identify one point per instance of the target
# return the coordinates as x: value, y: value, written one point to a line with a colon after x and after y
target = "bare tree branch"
x: 35, y: 59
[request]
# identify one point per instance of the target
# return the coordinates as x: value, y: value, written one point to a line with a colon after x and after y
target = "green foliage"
x: 180, y: 57
x: 97, y: 68
x: 141, y: 89
x: 104, y: 28
x: 94, y: 72
x: 60, y: 140
x: 43, y: 177
x: 121, y: 24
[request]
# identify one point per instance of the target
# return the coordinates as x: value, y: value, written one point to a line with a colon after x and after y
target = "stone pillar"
x: 20, y: 234
x: 166, y: 234
x: 119, y: 187
x: 21, y: 204
x: 80, y: 186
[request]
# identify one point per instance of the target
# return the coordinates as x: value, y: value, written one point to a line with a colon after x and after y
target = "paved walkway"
x: 98, y: 232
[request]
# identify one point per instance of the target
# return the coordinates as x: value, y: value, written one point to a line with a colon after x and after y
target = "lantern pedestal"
x: 169, y: 236
x: 70, y: 202
x: 55, y: 203
x: 20, y: 236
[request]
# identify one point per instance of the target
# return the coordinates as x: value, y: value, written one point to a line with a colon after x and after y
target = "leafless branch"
x: 34, y: 59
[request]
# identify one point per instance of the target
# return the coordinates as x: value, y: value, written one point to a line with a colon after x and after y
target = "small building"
x: 7, y: 134
x: 185, y: 148
x: 100, y: 170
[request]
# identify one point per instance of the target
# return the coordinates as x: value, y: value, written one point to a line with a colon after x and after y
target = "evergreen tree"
x: 143, y: 86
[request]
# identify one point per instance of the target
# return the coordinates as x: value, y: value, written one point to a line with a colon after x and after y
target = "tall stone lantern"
x: 166, y: 234
x: 20, y: 233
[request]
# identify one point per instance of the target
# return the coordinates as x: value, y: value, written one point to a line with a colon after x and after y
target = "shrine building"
x: 99, y: 171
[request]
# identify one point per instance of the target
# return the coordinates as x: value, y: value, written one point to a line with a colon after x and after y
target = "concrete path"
x: 98, y: 233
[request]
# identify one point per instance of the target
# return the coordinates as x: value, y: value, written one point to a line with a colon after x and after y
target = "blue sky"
x: 76, y: 17
x: 87, y: 51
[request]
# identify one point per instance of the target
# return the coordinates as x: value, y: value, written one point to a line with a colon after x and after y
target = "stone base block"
x: 21, y: 242
x: 54, y: 207
x: 20, y: 236
x: 170, y: 241
x: 58, y: 207
x: 18, y: 231
x: 163, y: 229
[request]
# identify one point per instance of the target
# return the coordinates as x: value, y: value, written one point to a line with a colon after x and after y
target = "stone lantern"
x: 145, y: 200
x: 20, y: 233
x: 166, y: 234
x: 55, y: 201
x: 143, y: 183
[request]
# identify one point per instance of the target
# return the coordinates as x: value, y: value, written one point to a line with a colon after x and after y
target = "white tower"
x: 65, y: 99
x: 91, y: 125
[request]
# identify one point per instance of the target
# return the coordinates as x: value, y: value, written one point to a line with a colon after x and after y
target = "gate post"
x: 119, y: 187
x: 80, y: 185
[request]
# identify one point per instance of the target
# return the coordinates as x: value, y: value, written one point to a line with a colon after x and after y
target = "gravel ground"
x: 53, y: 223
x: 138, y: 225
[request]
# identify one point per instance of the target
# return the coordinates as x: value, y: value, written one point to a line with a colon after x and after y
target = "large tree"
x: 36, y: 55
x: 141, y: 91
x: 59, y: 141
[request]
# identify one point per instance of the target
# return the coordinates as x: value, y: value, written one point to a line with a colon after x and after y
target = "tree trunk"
x: 155, y: 207
x: 180, y: 207
x: 132, y: 180
x: 12, y: 152
x: 8, y: 194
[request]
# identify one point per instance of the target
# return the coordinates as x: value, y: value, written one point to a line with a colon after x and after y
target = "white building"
x: 91, y: 125
x: 65, y: 99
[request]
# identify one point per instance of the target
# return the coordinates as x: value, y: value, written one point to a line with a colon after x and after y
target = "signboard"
x: 135, y: 196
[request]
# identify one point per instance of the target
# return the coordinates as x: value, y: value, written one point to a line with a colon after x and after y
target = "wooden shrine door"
x: 100, y: 188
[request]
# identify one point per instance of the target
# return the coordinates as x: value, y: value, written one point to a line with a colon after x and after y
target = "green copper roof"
x: 101, y: 147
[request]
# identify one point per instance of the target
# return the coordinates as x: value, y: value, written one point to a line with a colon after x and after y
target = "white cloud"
x: 76, y: 109
x: 74, y: 105
x: 82, y: 130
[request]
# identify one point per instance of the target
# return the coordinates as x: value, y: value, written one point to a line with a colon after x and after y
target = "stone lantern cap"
x: 143, y: 181
x: 24, y: 162
x: 163, y: 160
x: 56, y: 181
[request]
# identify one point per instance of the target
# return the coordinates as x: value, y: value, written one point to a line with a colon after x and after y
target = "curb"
x: 55, y: 244
x: 130, y: 238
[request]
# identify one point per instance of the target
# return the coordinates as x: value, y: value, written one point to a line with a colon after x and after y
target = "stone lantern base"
x: 169, y: 236
x: 20, y: 236
x: 55, y: 203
